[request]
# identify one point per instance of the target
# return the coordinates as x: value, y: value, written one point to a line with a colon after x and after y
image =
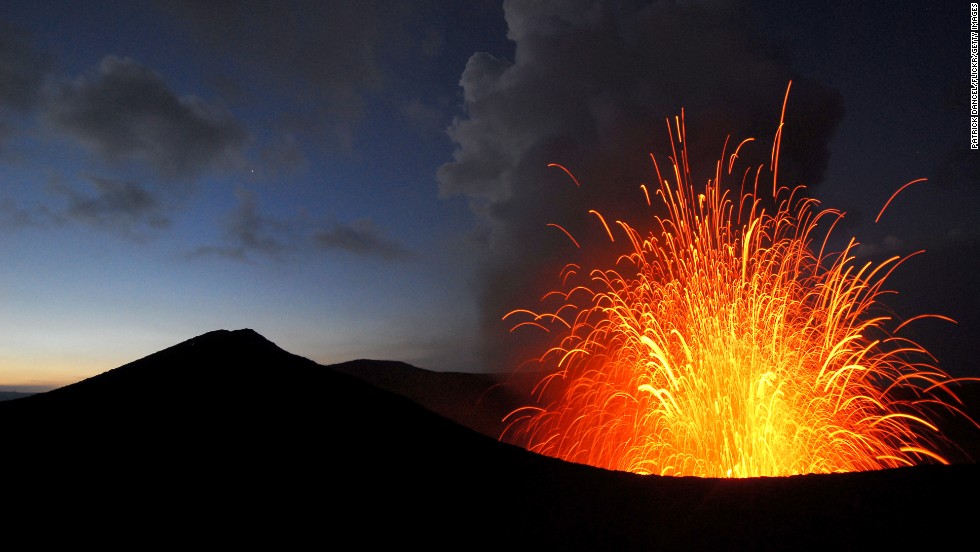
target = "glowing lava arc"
x: 722, y: 345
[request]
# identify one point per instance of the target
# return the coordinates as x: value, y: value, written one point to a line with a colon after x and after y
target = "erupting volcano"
x: 729, y: 341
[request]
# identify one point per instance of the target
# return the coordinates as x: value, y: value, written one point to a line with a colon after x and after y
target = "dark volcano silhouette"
x: 228, y: 440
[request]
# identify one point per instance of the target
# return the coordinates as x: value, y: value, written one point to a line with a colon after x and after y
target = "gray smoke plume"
x: 591, y: 87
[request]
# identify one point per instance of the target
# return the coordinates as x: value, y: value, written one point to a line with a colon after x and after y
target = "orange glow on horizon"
x: 723, y: 344
x: 38, y: 375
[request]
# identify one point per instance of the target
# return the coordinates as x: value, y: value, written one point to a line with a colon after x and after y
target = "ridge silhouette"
x: 227, y: 439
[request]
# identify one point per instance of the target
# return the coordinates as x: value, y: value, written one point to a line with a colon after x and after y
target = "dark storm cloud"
x: 590, y: 87
x: 123, y: 207
x: 125, y: 111
x: 360, y: 238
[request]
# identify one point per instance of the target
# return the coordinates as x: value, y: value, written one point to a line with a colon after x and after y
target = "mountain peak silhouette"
x: 228, y: 440
x: 211, y: 367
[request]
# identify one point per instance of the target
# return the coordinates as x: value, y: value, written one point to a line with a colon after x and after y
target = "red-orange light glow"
x: 721, y: 345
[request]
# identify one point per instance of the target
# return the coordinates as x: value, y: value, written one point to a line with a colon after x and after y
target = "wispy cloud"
x: 248, y: 232
x: 15, y: 217
x: 251, y: 230
x: 128, y: 120
x: 120, y: 206
x: 362, y: 238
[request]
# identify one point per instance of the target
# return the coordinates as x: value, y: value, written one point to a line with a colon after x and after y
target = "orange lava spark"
x: 723, y: 345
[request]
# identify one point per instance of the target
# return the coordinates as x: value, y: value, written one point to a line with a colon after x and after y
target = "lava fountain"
x: 729, y: 342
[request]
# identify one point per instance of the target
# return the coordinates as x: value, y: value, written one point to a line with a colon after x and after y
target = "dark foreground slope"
x: 228, y: 440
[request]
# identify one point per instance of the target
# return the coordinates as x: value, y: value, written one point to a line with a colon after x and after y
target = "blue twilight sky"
x: 369, y: 179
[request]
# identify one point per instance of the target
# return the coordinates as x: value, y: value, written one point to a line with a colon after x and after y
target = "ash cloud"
x: 125, y: 111
x: 590, y: 87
